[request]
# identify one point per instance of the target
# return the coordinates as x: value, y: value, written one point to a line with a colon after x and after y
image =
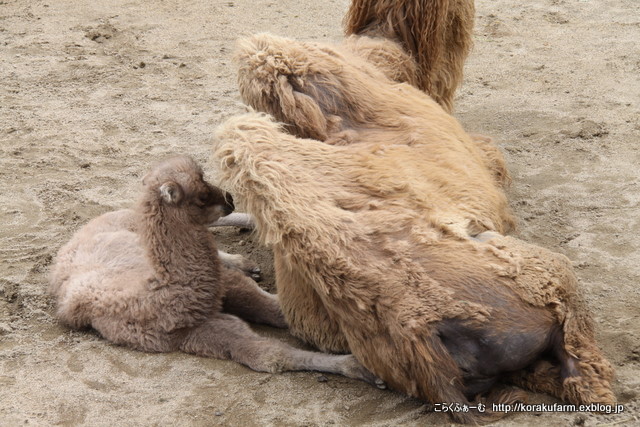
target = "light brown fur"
x: 373, y: 256
x: 318, y: 93
x: 421, y: 42
x: 364, y: 91
x: 150, y: 279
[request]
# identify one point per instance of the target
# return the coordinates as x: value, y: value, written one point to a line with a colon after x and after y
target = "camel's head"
x: 178, y: 183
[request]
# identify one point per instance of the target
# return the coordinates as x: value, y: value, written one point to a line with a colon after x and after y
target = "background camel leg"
x: 235, y: 219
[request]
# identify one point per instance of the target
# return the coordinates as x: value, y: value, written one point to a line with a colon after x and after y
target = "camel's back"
x: 104, y: 254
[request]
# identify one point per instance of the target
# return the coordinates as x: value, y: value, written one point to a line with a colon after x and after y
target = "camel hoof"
x: 380, y: 384
x: 255, y: 274
x: 239, y: 262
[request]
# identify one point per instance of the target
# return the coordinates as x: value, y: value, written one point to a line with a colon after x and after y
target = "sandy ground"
x: 92, y: 91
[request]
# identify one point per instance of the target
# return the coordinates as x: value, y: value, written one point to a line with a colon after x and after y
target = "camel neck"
x: 175, y: 245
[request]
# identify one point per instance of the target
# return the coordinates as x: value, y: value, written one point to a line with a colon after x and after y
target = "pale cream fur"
x: 150, y: 279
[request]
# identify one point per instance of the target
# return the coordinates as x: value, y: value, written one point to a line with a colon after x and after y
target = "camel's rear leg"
x: 592, y: 382
x: 542, y: 377
x: 225, y: 336
x: 584, y: 388
x: 583, y: 379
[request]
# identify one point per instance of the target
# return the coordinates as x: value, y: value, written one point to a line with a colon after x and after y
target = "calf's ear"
x: 171, y: 192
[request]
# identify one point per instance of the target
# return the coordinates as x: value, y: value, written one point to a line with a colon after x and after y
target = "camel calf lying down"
x: 149, y: 279
x: 363, y: 267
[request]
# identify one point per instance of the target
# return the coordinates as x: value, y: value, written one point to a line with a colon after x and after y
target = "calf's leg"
x: 245, y: 299
x: 239, y: 262
x: 225, y: 336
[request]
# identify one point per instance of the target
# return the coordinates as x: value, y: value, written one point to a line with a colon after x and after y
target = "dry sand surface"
x: 91, y: 92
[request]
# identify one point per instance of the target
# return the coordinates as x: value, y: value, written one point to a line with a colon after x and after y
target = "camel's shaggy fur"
x: 421, y: 42
x: 345, y: 95
x: 149, y: 278
x: 375, y: 259
x: 321, y: 94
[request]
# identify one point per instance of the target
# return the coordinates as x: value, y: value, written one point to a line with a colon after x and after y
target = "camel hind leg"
x: 225, y: 336
x: 76, y: 299
x: 581, y: 374
x: 587, y: 374
x: 583, y: 377
x: 592, y: 380
x: 589, y: 383
x: 542, y: 377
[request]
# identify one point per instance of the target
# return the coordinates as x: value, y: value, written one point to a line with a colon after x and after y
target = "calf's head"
x: 178, y: 183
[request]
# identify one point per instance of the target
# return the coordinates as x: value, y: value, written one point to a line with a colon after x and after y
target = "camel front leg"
x: 240, y: 262
x: 305, y: 312
x: 245, y: 299
x: 242, y: 220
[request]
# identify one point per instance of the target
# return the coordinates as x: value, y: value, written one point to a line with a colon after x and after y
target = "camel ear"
x: 171, y: 192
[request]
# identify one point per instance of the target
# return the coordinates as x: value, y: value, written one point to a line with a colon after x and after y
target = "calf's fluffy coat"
x: 150, y: 279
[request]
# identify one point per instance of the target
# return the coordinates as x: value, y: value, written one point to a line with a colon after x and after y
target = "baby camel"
x: 149, y: 279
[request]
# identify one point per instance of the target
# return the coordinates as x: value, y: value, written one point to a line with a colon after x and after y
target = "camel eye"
x: 204, y: 200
